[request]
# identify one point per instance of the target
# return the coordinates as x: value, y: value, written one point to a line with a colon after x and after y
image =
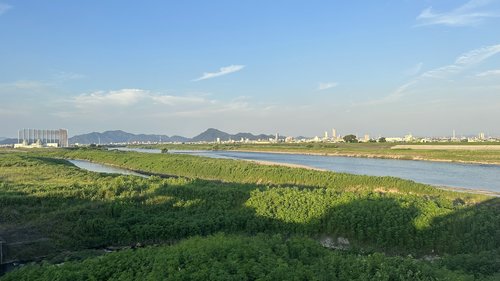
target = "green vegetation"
x: 224, y: 257
x: 350, y: 139
x: 381, y: 149
x: 269, y: 218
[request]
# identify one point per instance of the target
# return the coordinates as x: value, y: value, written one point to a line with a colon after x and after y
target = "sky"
x: 384, y: 68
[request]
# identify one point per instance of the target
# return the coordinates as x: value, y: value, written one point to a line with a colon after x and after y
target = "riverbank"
x: 480, y: 154
x: 448, y: 188
x: 271, y: 163
x: 375, y: 156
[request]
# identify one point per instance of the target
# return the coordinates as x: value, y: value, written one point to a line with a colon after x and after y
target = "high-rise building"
x: 43, y: 137
x: 334, y: 133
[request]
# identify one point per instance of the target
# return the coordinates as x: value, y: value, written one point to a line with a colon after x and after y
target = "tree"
x: 350, y: 138
x: 382, y: 139
x: 164, y: 150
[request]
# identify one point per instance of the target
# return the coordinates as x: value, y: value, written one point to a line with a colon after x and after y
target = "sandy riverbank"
x: 270, y: 163
x: 446, y: 147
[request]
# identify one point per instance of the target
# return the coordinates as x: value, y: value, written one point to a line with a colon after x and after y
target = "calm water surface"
x: 486, y: 177
x: 100, y: 168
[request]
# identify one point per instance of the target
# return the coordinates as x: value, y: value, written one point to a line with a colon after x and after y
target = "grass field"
x: 224, y: 212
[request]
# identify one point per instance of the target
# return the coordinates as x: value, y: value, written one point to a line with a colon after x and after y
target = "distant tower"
x: 334, y: 133
x: 277, y: 137
x: 367, y: 137
x: 454, y: 137
x: 481, y: 136
x: 326, y: 135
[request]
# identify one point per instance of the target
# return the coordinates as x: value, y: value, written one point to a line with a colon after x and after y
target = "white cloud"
x: 129, y: 97
x: 4, y: 8
x: 222, y: 71
x: 23, y: 87
x: 468, y: 14
x: 394, y: 96
x: 415, y: 69
x: 463, y: 62
x: 495, y: 72
x: 327, y: 85
x: 65, y: 76
x: 124, y: 97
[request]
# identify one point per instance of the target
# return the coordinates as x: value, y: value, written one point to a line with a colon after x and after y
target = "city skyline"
x: 382, y: 68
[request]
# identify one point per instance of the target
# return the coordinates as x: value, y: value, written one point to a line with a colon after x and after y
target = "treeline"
x: 224, y: 257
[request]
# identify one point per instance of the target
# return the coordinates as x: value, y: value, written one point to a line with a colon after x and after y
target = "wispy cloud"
x: 463, y: 62
x: 415, y: 69
x: 129, y: 97
x: 327, y: 85
x: 222, y: 71
x: 66, y: 76
x: 471, y: 13
x: 23, y: 85
x: 4, y: 8
x: 495, y: 72
x: 394, y: 96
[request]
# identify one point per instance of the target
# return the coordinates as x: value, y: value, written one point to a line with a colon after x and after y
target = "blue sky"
x: 293, y: 67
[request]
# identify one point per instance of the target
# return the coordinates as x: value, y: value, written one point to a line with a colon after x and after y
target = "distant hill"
x: 119, y: 136
x: 8, y: 141
x: 212, y: 135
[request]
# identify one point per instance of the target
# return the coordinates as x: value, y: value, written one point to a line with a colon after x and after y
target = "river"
x: 470, y: 176
x: 101, y: 168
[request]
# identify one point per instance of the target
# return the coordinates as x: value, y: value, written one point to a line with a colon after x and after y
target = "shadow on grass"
x: 199, y: 207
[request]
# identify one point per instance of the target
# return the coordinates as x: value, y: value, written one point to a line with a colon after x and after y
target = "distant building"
x: 409, y: 138
x: 42, y: 138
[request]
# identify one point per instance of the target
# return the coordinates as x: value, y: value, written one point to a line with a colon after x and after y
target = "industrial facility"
x: 36, y: 138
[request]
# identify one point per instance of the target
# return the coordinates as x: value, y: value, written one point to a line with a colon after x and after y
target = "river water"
x: 470, y: 176
x: 101, y: 168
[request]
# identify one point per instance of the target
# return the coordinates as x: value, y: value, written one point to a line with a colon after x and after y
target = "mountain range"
x: 119, y: 136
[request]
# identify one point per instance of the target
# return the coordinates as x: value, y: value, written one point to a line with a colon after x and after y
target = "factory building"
x: 42, y: 138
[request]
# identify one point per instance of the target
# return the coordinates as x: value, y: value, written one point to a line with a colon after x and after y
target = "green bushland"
x: 374, y: 150
x: 61, y: 208
x: 224, y: 257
